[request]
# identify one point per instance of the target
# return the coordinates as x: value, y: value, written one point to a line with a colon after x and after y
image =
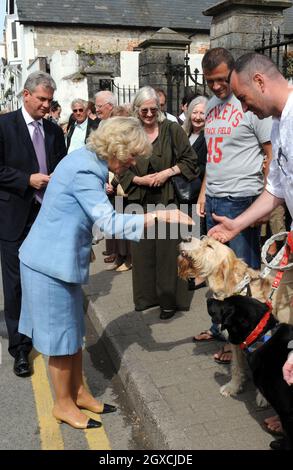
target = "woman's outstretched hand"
x: 174, y: 216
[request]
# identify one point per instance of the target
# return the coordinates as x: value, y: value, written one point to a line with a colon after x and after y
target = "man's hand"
x: 200, y: 206
x: 38, y: 180
x: 225, y: 230
x: 288, y: 369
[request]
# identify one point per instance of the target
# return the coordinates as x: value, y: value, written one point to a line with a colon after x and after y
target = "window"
x: 14, y: 39
x: 10, y: 7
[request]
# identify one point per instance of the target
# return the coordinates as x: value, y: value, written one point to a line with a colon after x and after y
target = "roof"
x: 175, y: 14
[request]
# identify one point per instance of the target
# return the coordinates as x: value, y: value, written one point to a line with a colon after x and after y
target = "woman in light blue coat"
x: 56, y: 254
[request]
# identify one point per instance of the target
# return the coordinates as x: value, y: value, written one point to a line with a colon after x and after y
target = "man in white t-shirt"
x: 261, y: 89
x: 236, y: 143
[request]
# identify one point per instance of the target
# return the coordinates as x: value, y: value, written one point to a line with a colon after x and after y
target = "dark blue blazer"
x: 18, y: 161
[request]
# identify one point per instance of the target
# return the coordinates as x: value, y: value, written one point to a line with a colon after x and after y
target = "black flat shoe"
x: 139, y: 309
x: 280, y: 444
x: 93, y: 424
x: 21, y: 366
x: 166, y: 314
x: 108, y: 408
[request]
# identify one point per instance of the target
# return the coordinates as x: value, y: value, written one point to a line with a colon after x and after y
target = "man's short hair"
x: 253, y: 62
x: 108, y: 95
x: 79, y: 101
x: 39, y: 78
x: 216, y: 56
x: 54, y: 106
x: 161, y: 91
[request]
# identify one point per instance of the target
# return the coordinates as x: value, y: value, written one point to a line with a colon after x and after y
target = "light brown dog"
x: 216, y: 263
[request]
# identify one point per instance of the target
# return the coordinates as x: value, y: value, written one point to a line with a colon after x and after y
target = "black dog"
x: 240, y: 315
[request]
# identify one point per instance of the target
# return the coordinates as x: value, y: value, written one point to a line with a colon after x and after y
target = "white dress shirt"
x: 78, y: 136
x: 29, y: 120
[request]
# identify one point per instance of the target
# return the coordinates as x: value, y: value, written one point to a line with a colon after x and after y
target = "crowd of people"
x: 59, y: 178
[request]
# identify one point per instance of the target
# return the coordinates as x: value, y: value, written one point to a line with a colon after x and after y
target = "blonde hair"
x: 120, y: 111
x: 119, y: 137
x: 144, y: 94
x: 187, y: 125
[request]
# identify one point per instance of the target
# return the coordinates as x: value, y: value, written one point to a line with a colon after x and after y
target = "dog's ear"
x: 224, y: 280
x: 215, y: 310
x: 227, y: 317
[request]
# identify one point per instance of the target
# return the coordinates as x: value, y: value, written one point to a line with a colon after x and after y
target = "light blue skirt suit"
x: 55, y: 256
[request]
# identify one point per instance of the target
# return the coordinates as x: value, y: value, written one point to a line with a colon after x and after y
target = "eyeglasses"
x: 79, y: 110
x: 280, y: 155
x: 144, y: 111
x: 99, y: 106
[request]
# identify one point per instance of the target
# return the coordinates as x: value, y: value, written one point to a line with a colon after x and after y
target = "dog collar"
x: 243, y: 284
x: 258, y: 329
x: 260, y: 342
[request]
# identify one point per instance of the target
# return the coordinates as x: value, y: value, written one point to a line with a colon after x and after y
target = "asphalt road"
x: 25, y: 412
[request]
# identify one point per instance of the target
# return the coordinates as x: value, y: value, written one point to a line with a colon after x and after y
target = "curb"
x: 155, y: 415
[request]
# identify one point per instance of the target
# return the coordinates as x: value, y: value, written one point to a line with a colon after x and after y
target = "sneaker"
x: 123, y: 267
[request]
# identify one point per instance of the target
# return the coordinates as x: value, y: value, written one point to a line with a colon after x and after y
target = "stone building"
x: 86, y: 43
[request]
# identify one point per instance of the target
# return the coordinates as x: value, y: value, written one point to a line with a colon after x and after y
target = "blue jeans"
x: 247, y: 244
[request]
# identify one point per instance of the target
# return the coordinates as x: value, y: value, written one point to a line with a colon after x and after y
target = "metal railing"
x: 280, y: 51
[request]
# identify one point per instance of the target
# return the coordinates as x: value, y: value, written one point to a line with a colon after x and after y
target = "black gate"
x: 181, y: 81
x: 281, y: 52
x: 123, y: 94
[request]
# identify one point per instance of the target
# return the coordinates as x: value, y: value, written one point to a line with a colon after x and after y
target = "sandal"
x: 222, y: 353
x: 110, y: 259
x: 273, y: 426
x: 205, y: 335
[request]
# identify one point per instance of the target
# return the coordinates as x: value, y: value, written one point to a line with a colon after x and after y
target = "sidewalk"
x: 172, y: 383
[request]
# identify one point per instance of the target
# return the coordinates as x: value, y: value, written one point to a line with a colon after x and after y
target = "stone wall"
x: 110, y: 40
x: 242, y: 32
x: 238, y: 25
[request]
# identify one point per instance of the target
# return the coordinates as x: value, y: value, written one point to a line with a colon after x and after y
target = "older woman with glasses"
x: 56, y: 254
x: 194, y: 128
x: 154, y: 262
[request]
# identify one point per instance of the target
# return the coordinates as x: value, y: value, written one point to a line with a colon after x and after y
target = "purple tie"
x: 39, y: 146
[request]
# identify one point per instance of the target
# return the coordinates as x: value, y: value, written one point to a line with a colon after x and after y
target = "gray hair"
x: 108, y: 96
x: 83, y: 103
x: 187, y: 125
x: 39, y: 78
x: 144, y: 94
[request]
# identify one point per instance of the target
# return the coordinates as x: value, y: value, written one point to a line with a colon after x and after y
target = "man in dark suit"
x: 81, y: 126
x: 30, y: 149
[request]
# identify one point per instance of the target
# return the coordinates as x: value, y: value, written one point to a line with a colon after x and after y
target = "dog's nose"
x: 187, y: 239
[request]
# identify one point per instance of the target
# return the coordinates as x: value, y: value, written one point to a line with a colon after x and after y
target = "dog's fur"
x: 216, y: 263
x: 239, y: 316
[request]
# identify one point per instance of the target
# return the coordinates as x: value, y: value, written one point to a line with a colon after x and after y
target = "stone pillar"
x: 238, y: 25
x: 99, y: 68
x: 153, y: 62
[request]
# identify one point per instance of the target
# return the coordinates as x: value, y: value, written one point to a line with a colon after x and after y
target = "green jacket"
x: 161, y: 159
